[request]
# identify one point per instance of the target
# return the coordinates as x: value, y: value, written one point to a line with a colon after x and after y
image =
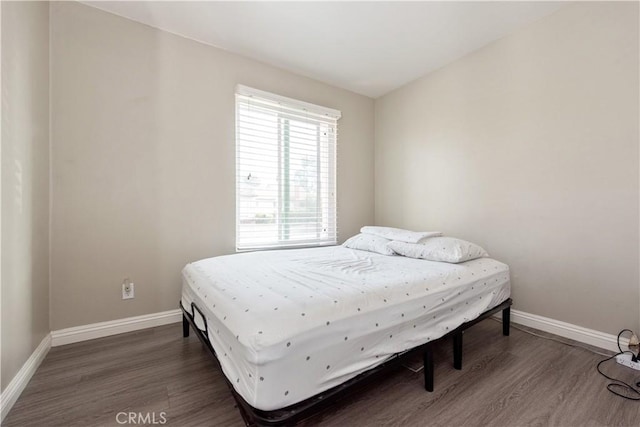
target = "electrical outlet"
x: 128, y: 289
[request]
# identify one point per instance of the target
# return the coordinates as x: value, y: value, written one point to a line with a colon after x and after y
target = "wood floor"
x: 519, y: 380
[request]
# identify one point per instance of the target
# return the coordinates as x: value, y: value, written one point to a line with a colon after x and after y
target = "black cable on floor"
x: 624, y: 388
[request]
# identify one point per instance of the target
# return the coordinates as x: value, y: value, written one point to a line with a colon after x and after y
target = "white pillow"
x: 399, y: 234
x: 370, y: 243
x: 445, y: 249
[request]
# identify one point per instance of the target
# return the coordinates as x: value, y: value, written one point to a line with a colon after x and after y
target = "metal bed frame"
x: 300, y: 411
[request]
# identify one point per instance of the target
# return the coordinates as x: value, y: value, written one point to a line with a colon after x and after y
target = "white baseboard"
x: 114, y: 327
x: 568, y: 330
x: 129, y: 324
x: 20, y: 381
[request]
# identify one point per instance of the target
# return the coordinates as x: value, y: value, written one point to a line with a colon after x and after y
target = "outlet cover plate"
x: 128, y: 291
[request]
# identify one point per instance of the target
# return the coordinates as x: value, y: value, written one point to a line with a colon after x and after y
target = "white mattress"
x: 289, y: 324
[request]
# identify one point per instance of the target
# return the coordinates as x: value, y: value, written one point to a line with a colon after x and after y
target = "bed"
x: 293, y: 327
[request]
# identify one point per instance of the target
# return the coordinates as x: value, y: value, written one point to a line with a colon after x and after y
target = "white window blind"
x: 285, y: 172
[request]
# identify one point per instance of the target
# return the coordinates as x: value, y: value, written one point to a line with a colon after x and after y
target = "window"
x: 285, y: 172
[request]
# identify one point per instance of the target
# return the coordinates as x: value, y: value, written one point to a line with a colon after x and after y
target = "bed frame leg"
x: 506, y: 321
x: 428, y: 368
x: 185, y: 326
x: 457, y: 351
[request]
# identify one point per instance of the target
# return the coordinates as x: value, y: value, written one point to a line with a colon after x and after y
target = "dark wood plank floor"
x: 519, y: 380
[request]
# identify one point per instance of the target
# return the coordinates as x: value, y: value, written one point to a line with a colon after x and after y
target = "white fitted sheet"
x: 289, y: 324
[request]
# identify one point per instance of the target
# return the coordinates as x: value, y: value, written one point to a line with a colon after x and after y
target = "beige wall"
x: 529, y: 147
x: 143, y: 159
x: 25, y: 182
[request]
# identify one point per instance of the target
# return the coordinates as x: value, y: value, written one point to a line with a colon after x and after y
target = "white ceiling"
x: 367, y: 47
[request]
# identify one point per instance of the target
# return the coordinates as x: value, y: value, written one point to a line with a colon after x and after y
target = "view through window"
x: 285, y: 172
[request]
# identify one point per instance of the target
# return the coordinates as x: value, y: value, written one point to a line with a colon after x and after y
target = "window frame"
x: 287, y: 110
